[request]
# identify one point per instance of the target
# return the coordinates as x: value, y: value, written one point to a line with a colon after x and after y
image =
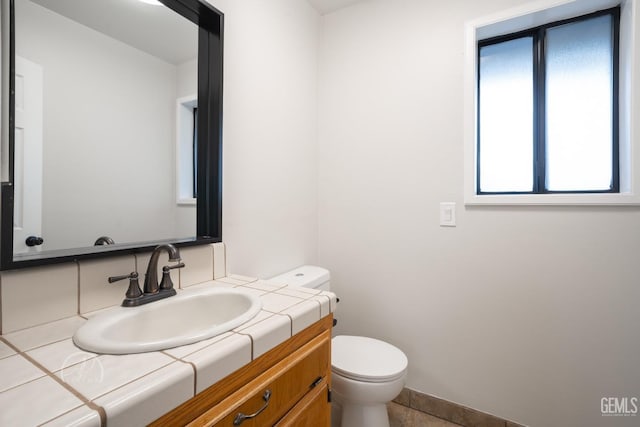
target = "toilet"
x: 366, y: 373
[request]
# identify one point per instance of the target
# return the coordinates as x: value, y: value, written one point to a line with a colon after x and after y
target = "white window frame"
x: 184, y: 150
x: 533, y: 15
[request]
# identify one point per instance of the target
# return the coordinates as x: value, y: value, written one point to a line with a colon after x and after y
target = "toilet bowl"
x: 366, y: 373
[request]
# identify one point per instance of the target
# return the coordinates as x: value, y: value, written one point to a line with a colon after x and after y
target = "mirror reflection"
x: 105, y: 112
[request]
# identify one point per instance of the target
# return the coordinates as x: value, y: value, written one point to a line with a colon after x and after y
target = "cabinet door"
x: 313, y: 410
x: 287, y: 383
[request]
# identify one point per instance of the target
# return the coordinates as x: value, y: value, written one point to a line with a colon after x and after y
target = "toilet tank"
x: 306, y: 276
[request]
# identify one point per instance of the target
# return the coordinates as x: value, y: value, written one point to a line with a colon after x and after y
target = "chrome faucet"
x: 151, y: 284
x: 153, y: 291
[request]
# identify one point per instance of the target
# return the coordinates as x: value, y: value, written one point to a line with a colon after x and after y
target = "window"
x: 187, y: 150
x: 194, y: 162
x: 547, y: 109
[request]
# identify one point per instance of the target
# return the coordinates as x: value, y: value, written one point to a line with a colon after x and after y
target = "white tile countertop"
x: 47, y: 380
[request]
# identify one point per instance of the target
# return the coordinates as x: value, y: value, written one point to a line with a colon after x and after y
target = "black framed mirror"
x: 83, y: 191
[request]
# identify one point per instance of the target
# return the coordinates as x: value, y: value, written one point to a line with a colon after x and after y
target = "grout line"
x: 169, y: 355
x: 239, y: 331
x: 50, y: 343
x: 41, y: 324
x: 224, y: 262
x: 23, y: 383
x: 213, y: 262
x: 195, y: 377
x: 193, y: 366
x: 200, y: 349
x: 101, y: 412
x: 78, y: 293
x: 411, y: 394
x: 290, y: 324
x: 250, y: 339
x: 61, y: 415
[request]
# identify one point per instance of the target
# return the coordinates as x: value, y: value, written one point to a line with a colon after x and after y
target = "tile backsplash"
x: 38, y: 295
x: 33, y: 296
x: 200, y: 267
x: 95, y: 291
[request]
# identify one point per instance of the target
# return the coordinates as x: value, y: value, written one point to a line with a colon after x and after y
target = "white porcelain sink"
x: 189, y: 317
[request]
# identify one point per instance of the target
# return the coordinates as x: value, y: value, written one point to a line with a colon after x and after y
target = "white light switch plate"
x: 447, y: 214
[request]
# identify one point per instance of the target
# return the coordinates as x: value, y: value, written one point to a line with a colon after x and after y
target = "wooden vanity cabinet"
x: 288, y: 386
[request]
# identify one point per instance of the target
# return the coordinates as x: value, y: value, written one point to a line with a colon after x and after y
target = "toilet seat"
x: 366, y: 359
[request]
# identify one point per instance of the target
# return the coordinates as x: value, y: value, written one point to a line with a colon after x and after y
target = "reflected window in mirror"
x: 187, y: 150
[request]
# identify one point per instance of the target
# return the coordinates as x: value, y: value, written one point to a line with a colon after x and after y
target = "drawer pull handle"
x: 315, y: 382
x: 241, y: 417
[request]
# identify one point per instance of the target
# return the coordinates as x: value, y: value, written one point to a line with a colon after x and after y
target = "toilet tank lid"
x: 308, y: 276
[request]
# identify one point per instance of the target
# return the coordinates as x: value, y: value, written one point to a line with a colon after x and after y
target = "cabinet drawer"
x: 288, y: 382
x: 313, y: 410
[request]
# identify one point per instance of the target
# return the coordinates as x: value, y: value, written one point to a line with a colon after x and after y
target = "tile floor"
x: 402, y: 416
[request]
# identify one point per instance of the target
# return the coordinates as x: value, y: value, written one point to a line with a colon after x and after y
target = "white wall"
x: 187, y: 78
x: 528, y: 313
x: 270, y: 135
x: 106, y: 170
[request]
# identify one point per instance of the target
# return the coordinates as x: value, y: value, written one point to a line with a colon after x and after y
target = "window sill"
x: 187, y: 202
x: 606, y: 199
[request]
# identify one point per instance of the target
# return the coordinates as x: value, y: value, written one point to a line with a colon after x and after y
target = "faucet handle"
x: 125, y: 276
x: 166, y: 282
x: 134, y: 290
